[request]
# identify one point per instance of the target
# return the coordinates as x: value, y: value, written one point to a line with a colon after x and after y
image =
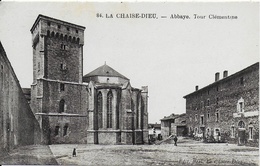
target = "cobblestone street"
x: 188, y: 152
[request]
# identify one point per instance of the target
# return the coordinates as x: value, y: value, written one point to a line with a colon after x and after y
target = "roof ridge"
x: 105, y: 70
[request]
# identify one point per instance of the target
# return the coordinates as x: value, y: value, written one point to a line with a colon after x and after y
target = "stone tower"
x: 58, y: 97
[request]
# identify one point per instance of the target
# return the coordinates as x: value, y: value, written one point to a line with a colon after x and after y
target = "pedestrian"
x: 74, y: 152
x: 175, y: 140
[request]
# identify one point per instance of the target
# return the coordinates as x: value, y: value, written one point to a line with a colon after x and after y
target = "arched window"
x: 57, y: 129
x: 48, y: 33
x: 100, y: 110
x: 69, y: 38
x: 61, y: 36
x: 241, y: 124
x: 78, y: 40
x: 52, y: 34
x: 66, y: 37
x: 109, y: 109
x: 61, y: 106
x: 57, y: 35
x: 240, y: 105
x: 74, y: 40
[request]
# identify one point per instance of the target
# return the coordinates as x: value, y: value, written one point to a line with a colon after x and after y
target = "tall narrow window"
x: 232, y: 131
x: 208, y: 102
x: 251, y: 133
x: 217, y: 116
x: 61, y: 106
x: 202, y: 120
x: 109, y: 109
x: 100, y: 110
x: 65, y: 130
x: 62, y: 87
x: 242, y: 81
x: 240, y: 105
x: 217, y: 101
x: 196, y: 117
x: 57, y: 129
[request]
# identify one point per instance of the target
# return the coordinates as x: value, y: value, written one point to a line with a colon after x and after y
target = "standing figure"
x: 175, y: 140
x: 74, y: 152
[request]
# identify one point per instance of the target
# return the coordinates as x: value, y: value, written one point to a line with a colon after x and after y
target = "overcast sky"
x: 170, y: 56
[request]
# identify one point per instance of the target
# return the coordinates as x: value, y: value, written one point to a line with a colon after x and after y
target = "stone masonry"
x: 227, y: 109
x: 58, y: 96
x: 18, y: 125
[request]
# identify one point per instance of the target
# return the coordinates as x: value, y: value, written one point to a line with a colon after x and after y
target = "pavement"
x: 188, y: 152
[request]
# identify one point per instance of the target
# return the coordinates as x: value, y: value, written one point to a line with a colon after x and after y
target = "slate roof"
x: 105, y: 70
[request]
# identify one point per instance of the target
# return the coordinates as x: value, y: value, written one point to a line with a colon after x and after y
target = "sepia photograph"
x: 129, y: 83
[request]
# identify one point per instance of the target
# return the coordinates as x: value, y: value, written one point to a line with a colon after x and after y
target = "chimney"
x: 217, y: 76
x: 225, y: 74
x: 196, y: 87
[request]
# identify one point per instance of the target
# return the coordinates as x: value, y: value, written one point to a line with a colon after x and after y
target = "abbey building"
x: 102, y: 107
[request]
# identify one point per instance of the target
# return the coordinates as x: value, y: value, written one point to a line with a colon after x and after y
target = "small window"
x: 208, y: 102
x: 58, y: 26
x: 68, y: 28
x: 250, y: 133
x: 65, y: 130
x: 61, y: 106
x: 217, y: 101
x: 202, y: 120
x: 232, y: 131
x: 196, y: 117
x: 49, y: 23
x: 242, y: 81
x: 63, y: 66
x: 62, y: 87
x: 57, y: 129
x: 217, y: 88
x: 48, y: 33
x: 240, y: 105
x: 217, y: 116
x: 241, y: 124
x: 77, y: 31
x: 208, y: 92
x: 208, y: 116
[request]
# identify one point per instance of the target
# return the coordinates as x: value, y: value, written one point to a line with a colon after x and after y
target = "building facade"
x: 99, y: 108
x: 175, y: 124
x: 18, y: 125
x: 117, y: 112
x: 228, y: 109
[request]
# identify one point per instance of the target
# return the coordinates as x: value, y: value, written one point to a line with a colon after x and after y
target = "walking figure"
x: 74, y: 152
x: 175, y: 140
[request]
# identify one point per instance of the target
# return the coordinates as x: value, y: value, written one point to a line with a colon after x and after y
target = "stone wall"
x: 218, y: 104
x: 18, y: 125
